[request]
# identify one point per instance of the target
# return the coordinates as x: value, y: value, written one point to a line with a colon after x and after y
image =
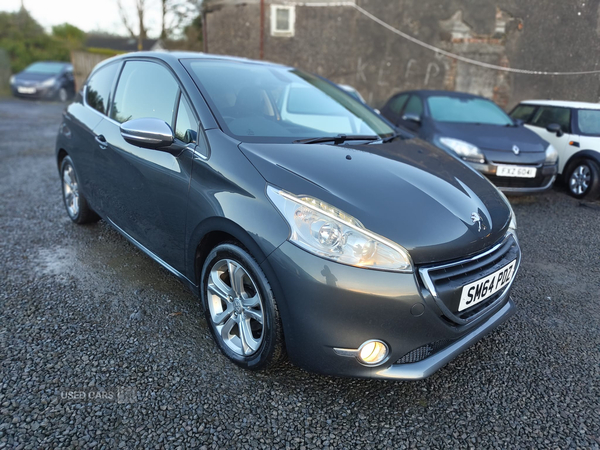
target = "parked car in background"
x: 369, y: 254
x: 573, y: 128
x: 45, y: 80
x: 476, y: 130
x: 353, y: 92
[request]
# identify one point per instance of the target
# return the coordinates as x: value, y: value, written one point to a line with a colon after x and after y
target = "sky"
x: 89, y: 15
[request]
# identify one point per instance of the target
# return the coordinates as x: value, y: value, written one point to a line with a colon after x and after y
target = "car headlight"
x: 551, y: 155
x: 49, y: 82
x: 12, y: 79
x: 325, y: 231
x: 466, y: 151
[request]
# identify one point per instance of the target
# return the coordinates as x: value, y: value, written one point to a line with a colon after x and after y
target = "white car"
x: 573, y: 128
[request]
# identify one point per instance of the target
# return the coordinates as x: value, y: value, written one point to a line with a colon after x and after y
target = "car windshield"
x: 589, y: 121
x: 45, y: 67
x: 467, y: 110
x: 264, y: 103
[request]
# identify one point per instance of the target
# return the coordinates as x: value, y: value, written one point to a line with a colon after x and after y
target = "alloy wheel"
x: 70, y: 191
x: 580, y: 180
x: 236, y: 307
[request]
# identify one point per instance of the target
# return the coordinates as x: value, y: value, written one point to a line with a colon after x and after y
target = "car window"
x: 145, y: 89
x: 523, y: 112
x: 99, y: 86
x: 186, y: 128
x: 414, y: 106
x: 551, y: 114
x: 444, y: 108
x: 589, y: 121
x: 397, y: 103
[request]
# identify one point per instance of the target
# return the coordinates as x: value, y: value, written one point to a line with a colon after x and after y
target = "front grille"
x: 419, y: 354
x: 445, y: 282
x: 527, y: 183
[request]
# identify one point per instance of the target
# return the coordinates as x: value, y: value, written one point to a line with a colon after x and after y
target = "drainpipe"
x: 262, y: 29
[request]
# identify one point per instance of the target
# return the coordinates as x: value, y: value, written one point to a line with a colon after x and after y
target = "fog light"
x: 373, y: 352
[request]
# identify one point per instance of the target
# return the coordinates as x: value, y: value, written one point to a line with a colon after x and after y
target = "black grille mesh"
x: 419, y: 354
x: 449, y: 281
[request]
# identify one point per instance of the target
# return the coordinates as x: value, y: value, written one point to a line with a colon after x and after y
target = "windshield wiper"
x: 337, y: 140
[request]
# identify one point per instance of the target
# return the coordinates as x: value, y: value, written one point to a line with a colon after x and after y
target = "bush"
x: 26, y: 42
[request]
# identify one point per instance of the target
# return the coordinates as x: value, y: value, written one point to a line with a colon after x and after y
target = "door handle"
x: 100, y: 139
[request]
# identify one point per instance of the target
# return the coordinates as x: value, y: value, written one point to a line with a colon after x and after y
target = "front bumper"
x: 544, y: 179
x: 326, y: 306
x: 40, y: 92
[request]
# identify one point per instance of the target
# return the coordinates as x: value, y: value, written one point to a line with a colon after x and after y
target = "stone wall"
x: 344, y: 45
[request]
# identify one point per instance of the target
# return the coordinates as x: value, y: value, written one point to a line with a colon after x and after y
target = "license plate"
x: 25, y: 90
x: 480, y: 290
x: 516, y: 171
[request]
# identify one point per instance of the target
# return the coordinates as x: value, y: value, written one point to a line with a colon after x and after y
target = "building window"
x: 283, y: 19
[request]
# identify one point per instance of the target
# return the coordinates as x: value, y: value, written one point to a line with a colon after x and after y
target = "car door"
x: 145, y: 191
x: 414, y: 105
x: 87, y: 114
x: 546, y: 115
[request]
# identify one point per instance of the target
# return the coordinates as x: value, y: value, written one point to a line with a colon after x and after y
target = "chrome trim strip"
x: 149, y: 253
x: 424, y: 272
x: 347, y: 352
x: 426, y: 367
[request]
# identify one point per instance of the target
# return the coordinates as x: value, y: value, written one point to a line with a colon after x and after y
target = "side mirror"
x: 411, y: 117
x: 555, y: 128
x: 147, y: 133
x: 519, y: 122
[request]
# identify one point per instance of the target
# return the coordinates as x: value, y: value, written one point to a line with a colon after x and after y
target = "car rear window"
x: 467, y: 110
x: 589, y: 121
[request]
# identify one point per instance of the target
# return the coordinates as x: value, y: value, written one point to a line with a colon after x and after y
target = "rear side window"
x: 414, y: 106
x: 550, y: 114
x: 145, y: 89
x: 398, y: 103
x: 97, y: 94
x: 589, y: 122
x: 523, y: 112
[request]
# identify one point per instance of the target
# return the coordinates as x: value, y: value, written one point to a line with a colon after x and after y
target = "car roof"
x: 562, y: 103
x: 174, y: 56
x: 439, y: 93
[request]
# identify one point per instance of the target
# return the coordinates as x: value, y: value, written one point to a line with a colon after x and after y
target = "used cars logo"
x: 516, y: 150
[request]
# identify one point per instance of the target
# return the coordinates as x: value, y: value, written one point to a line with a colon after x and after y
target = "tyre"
x: 62, y: 95
x: 77, y: 206
x: 583, y: 179
x: 240, y: 308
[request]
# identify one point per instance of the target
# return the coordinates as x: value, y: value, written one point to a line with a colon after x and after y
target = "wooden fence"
x: 84, y: 63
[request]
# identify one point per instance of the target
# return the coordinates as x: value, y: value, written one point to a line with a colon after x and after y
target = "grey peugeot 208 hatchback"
x: 304, y: 223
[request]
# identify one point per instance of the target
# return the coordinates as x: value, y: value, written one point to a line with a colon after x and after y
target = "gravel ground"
x: 82, y: 310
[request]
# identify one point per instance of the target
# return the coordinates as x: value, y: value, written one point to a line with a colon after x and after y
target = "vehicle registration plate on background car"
x: 516, y: 171
x: 25, y: 90
x: 479, y: 290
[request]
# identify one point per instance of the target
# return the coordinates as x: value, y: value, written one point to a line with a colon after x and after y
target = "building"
x: 121, y: 44
x: 351, y: 42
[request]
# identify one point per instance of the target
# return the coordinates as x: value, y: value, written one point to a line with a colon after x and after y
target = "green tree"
x: 26, y: 42
x: 69, y: 35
